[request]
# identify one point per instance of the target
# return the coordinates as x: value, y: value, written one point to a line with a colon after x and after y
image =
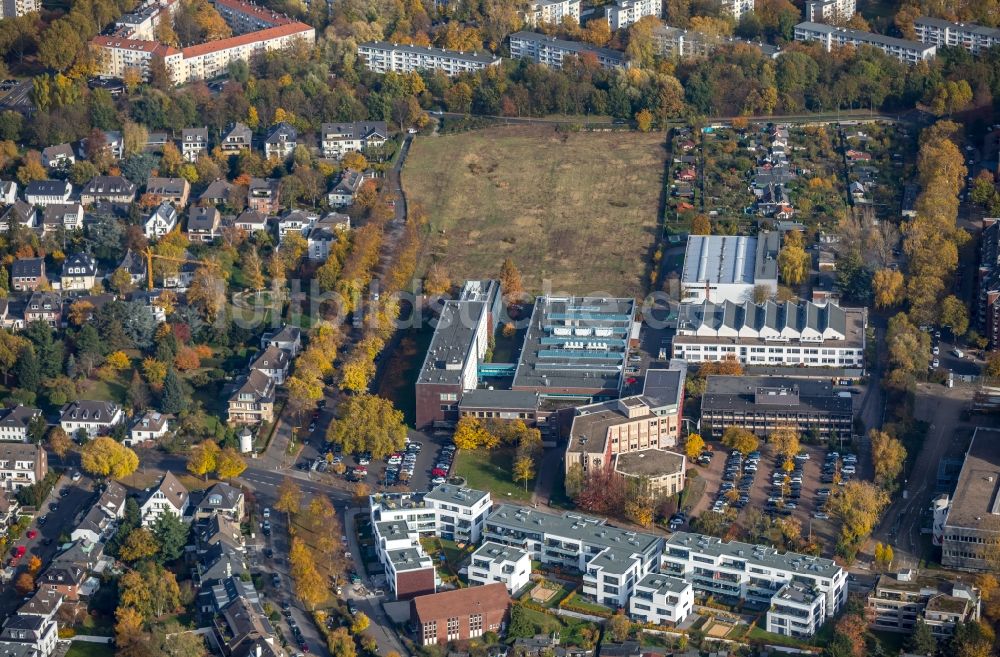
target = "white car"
x: 935, y: 363
x: 267, y: 512
x: 76, y: 476
x: 936, y: 350
x: 438, y: 480
x: 848, y: 469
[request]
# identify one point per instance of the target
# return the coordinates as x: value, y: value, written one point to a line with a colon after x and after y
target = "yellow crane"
x: 149, y: 264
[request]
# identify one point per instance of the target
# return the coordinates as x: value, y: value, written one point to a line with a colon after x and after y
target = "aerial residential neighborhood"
x: 543, y: 328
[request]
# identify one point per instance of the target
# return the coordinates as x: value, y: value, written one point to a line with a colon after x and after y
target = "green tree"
x: 171, y: 533
x: 368, y: 423
x: 972, y: 639
x: 175, y: 396
x: 60, y: 45
x: 921, y: 641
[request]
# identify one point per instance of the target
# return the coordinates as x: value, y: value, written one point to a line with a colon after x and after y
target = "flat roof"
x: 650, y: 463
x: 456, y: 495
x: 663, y: 584
x: 665, y: 387
x: 575, y: 342
x: 452, y: 343
x: 766, y: 259
x: 739, y: 393
x: 977, y: 495
x: 720, y: 259
x: 589, y: 432
x: 409, y: 559
x: 586, y: 529
x: 756, y: 554
x: 499, y: 553
x: 499, y: 399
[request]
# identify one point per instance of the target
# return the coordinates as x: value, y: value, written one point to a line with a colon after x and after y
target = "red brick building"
x: 461, y: 614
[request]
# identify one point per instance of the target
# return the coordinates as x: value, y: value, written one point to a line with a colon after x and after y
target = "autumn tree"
x: 140, y: 544
x: 888, y: 457
x: 368, y: 423
x: 106, y: 457
x: 619, y: 626
x: 740, y: 439
x: 644, y: 120
x: 229, y: 464
x: 972, y: 639
x: 253, y: 276
x: 859, y: 504
x: 436, y: 281
x: 289, y: 497
x: 793, y: 259
x: 203, y: 458
x: 24, y: 584
x: 701, y: 225
x: 954, y: 315
x: 510, y: 281
x: 471, y: 434
x: 694, y: 445
x: 887, y: 284
x: 785, y: 441
x: 59, y: 441
x: 524, y: 470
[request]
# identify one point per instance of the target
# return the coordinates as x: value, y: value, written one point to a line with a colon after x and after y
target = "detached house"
x: 221, y: 499
x: 253, y: 400
x: 44, y: 307
x: 151, y: 426
x: 298, y: 221
x: 288, y: 338
x: 113, y: 189
x: 135, y: 265
x: 217, y: 192
x: 346, y: 188
x: 22, y: 464
x: 169, y: 496
x: 102, y: 518
x: 92, y: 417
x: 239, y: 137
x: 62, y: 579
x: 194, y: 142
x: 59, y: 156
x: 28, y: 274
x: 8, y: 192
x: 204, y: 224
x: 79, y: 272
x: 251, y: 221
x: 47, y: 192
x: 68, y: 216
x: 337, y: 139
x: 281, y: 141
x: 161, y: 221
x: 33, y: 632
x: 273, y: 362
x: 172, y: 190
x: 19, y: 213
x: 14, y: 423
x: 264, y: 195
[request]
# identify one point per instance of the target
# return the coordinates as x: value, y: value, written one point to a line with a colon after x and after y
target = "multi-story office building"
x: 551, y: 51
x: 750, y: 574
x: 382, y: 57
x: 612, y: 560
x: 622, y: 13
x: 661, y: 599
x: 508, y: 565
x: 550, y: 12
x: 967, y: 525
x: 763, y: 404
x: 899, y: 600
x: 908, y: 52
x: 830, y: 11
x: 722, y: 268
x: 796, y: 610
x: 771, y: 333
x: 972, y: 37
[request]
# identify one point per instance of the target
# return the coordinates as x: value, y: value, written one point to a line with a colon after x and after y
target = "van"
x: 958, y: 352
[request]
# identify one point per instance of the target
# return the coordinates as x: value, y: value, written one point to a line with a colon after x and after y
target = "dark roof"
x: 78, y: 260
x: 217, y: 190
x: 272, y: 358
x: 221, y: 496
x: 202, y: 219
x: 356, y: 130
x: 282, y: 130
x: 18, y: 417
x: 166, y: 186
x: 194, y: 135
x: 664, y: 387
x: 46, y: 188
x: 749, y: 393
x: 86, y: 409
x: 110, y: 185
x: 27, y: 268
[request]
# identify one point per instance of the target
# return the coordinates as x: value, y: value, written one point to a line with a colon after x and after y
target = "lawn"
x: 85, y: 649
x: 491, y: 470
x: 550, y: 201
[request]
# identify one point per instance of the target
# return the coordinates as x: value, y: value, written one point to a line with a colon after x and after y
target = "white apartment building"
x: 382, y: 57
x: 409, y: 570
x: 161, y: 221
x: 14, y: 423
x: 612, y: 560
x: 908, y: 52
x: 771, y: 334
x: 15, y: 8
x: 21, y: 465
x: 972, y: 37
x: 750, y: 574
x: 169, y: 496
x: 661, y: 599
x: 508, y: 565
x: 37, y: 632
x: 737, y: 8
x: 338, y: 139
x: 551, y: 12
x: 551, y: 51
x: 675, y: 42
x: 194, y: 142
x: 623, y: 13
x: 47, y: 192
x: 827, y: 11
x: 797, y: 611
x: 93, y: 417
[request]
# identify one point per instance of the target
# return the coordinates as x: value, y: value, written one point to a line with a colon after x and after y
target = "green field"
x: 576, y: 209
x: 85, y: 649
x: 491, y: 470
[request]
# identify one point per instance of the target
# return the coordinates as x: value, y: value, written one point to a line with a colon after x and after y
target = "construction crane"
x: 148, y: 253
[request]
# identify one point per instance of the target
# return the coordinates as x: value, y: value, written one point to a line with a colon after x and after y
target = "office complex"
x: 763, y: 404
x: 622, y: 13
x: 722, y: 268
x: 771, y: 334
x: 972, y: 37
x: 830, y: 11
x: 382, y: 57
x: 908, y: 52
x: 551, y: 51
x: 967, y: 524
x: 612, y: 560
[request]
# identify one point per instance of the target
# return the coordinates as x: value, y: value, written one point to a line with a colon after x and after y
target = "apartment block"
x: 493, y: 562
x: 830, y: 11
x: 787, y: 333
x: 751, y: 574
x: 676, y: 42
x: 622, y: 13
x: 551, y: 12
x: 382, y: 57
x: 661, y: 599
x: 763, y: 404
x: 14, y: 422
x: 972, y: 37
x: 611, y: 560
x: 21, y: 465
x: 92, y: 417
x: 551, y: 51
x: 14, y: 8
x: 908, y: 52
x: 797, y: 611
x: 901, y: 599
x: 409, y: 570
x: 737, y: 8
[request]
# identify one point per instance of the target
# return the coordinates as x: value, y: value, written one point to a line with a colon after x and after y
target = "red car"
x: 438, y: 472
x: 19, y: 551
x: 32, y: 533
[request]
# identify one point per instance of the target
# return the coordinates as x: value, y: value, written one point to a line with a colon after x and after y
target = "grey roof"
x: 217, y: 190
x: 203, y: 219
x: 719, y: 259
x: 864, y: 37
x: 167, y: 186
x: 19, y: 211
x: 286, y: 334
x: 587, y: 529
x: 272, y: 358
x: 27, y: 268
x: 776, y: 316
x: 221, y: 496
x: 55, y: 213
x: 747, y: 393
x: 356, y: 130
x: 56, y: 151
x: 239, y: 131
x: 664, y: 387
x: 349, y: 182
x: 410, y: 558
x: 651, y: 463
x: 252, y: 217
x: 282, y: 130
x: 752, y: 554
x: 133, y: 263
x: 557, y: 352
x: 452, y: 343
x: 150, y: 421
x: 766, y: 265
x: 46, y: 188
x: 498, y: 553
x: 77, y: 261
x: 256, y: 383
x: 18, y: 416
x: 662, y: 584
x: 499, y: 399
x: 484, y: 57
x: 262, y: 187
x: 18, y: 649
x: 577, y: 47
x: 796, y: 592
x: 109, y: 185
x: 456, y: 495
x: 977, y: 495
x: 194, y: 135
x: 968, y: 28
x: 173, y: 490
x: 44, y: 302
x: 86, y: 409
